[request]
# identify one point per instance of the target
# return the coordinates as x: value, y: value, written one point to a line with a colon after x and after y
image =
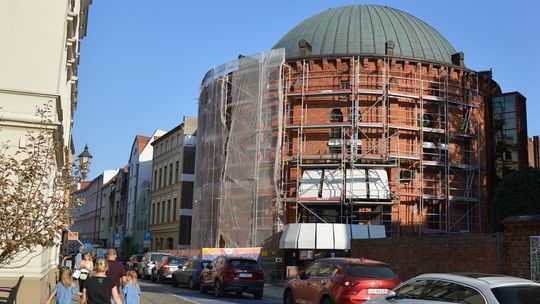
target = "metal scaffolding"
x: 238, y: 149
x: 421, y: 126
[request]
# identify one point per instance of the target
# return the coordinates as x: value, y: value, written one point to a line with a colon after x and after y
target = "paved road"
x: 153, y: 293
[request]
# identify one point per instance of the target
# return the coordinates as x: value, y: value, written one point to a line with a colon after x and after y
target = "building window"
x: 356, y: 117
x: 158, y: 215
x: 163, y: 212
x: 170, y: 174
x: 176, y: 169
x: 159, y: 184
x: 170, y: 243
x: 336, y: 115
x: 187, y: 195
x: 165, y: 176
x: 174, y: 210
x: 345, y: 84
x: 155, y: 179
x: 168, y: 218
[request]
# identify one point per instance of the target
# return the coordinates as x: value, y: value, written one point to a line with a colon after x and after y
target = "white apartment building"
x: 39, y: 55
x: 140, y: 170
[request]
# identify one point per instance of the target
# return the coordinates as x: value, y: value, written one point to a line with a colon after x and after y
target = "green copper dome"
x: 364, y: 29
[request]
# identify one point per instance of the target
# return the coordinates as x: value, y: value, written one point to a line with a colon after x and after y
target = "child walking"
x: 64, y: 290
x: 132, y: 291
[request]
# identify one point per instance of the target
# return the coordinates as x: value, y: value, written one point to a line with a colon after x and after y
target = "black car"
x: 190, y: 273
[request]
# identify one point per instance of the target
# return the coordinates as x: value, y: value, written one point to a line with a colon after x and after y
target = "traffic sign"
x: 117, y: 237
x: 147, y: 236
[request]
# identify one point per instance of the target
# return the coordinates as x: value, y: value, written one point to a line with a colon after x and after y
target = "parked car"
x: 149, y: 262
x: 471, y: 288
x: 233, y: 274
x: 190, y: 273
x: 133, y: 262
x: 340, y: 280
x: 166, y: 267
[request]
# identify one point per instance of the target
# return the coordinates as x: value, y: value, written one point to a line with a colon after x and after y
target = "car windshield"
x: 243, y: 264
x: 369, y: 271
x: 156, y: 257
x: 176, y: 261
x: 205, y: 264
x: 517, y: 294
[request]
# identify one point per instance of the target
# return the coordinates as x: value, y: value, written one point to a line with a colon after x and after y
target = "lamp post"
x: 85, y: 158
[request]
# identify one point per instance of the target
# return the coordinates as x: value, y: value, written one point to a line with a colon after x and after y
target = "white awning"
x: 326, y: 235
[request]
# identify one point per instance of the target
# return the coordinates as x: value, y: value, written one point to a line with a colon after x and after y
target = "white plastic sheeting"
x: 360, y: 184
x: 237, y: 167
x: 321, y: 185
x: 326, y: 235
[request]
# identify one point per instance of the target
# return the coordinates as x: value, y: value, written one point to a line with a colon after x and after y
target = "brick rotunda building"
x: 371, y: 126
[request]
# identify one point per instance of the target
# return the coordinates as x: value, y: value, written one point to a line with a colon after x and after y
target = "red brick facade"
x: 425, y: 117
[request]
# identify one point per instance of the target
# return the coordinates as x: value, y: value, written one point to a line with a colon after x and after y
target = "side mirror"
x: 390, y: 295
x: 209, y: 267
x: 302, y: 275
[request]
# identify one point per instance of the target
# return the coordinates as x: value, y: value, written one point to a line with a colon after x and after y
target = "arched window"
x: 428, y: 120
x: 169, y: 243
x: 356, y: 117
x: 336, y: 115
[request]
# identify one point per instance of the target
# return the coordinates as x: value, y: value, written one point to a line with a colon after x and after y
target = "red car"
x: 340, y: 280
x: 232, y: 274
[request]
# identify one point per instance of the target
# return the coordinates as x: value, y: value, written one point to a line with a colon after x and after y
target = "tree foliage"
x: 517, y: 194
x: 33, y: 193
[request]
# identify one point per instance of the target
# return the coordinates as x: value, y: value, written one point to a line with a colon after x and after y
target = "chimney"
x: 305, y: 47
x: 389, y: 47
x: 458, y: 59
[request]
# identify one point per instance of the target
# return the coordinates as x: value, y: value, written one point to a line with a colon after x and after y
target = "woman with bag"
x: 85, y: 267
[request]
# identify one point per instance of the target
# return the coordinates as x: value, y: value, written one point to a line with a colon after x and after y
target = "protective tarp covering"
x: 236, y: 173
x: 321, y: 185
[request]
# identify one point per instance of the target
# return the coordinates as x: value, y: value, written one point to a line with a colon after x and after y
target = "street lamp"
x: 85, y: 158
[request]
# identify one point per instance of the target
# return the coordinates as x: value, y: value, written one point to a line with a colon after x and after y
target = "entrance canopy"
x: 327, y: 236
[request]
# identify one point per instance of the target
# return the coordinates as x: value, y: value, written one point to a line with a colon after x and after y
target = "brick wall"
x: 411, y: 256
x: 517, y: 233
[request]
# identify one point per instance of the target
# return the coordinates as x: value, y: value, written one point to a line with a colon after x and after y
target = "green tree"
x: 517, y: 194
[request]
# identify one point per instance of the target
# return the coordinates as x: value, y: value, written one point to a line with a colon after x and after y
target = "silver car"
x: 470, y: 288
x: 149, y: 262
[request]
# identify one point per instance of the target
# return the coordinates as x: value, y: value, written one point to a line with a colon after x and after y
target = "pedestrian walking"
x: 78, y: 258
x: 64, y: 290
x: 116, y: 271
x: 132, y: 291
x: 100, y: 289
x: 86, y: 266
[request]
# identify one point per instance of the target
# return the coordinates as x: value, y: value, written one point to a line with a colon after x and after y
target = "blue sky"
x: 142, y: 61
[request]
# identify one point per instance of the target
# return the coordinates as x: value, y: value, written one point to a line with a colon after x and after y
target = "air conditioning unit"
x: 407, y: 174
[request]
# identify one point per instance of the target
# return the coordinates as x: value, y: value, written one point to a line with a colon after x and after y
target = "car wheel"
x: 258, y: 294
x: 239, y: 293
x: 191, y: 284
x: 218, y: 289
x: 326, y: 300
x: 202, y: 288
x: 288, y: 298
